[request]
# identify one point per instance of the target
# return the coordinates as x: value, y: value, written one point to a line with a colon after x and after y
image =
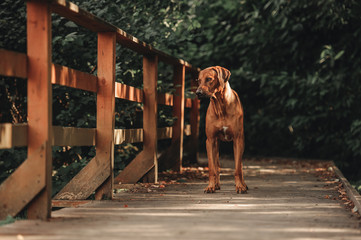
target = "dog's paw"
x: 241, y: 188
x: 210, y: 189
x: 217, y: 187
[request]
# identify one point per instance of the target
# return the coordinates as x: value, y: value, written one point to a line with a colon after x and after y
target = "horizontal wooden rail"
x: 13, y: 64
x: 15, y: 135
x: 65, y: 76
x: 128, y: 92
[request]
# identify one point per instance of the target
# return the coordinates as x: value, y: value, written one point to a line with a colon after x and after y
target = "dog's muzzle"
x: 200, y: 93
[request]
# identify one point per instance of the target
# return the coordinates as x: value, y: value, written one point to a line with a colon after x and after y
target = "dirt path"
x: 286, y: 200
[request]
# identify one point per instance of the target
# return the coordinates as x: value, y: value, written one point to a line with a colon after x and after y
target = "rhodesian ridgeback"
x: 224, y: 121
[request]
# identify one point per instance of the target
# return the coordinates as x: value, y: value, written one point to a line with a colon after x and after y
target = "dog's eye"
x: 208, y: 79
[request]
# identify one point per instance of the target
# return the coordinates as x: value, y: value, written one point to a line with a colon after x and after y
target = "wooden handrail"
x: 83, y: 18
x: 39, y: 134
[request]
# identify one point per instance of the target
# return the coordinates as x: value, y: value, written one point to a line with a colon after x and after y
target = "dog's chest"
x: 225, y: 133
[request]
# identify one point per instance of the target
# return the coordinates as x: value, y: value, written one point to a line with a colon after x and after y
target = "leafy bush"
x: 295, y: 65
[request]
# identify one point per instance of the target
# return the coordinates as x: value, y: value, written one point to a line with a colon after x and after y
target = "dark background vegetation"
x: 295, y: 65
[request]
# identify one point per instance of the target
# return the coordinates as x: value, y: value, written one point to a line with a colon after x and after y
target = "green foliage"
x: 294, y: 64
x: 10, y: 159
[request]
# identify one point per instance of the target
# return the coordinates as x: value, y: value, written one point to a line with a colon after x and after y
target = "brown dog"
x: 224, y: 121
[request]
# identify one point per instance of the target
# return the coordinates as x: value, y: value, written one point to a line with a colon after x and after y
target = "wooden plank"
x: 178, y: 111
x: 73, y: 78
x: 351, y: 191
x: 24, y: 184
x: 71, y: 136
x: 128, y: 92
x: 106, y: 109
x: 13, y: 64
x: 128, y: 135
x: 165, y: 133
x: 150, y: 113
x: 39, y: 99
x: 83, y: 18
x: 136, y: 135
x: 13, y: 135
x: 188, y: 102
x: 86, y: 181
x: 69, y: 203
x: 136, y: 169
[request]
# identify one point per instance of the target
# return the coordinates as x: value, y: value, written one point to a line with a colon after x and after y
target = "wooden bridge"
x: 30, y: 185
x: 287, y: 199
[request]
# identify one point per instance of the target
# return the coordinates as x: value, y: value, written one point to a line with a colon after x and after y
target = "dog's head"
x: 212, y: 80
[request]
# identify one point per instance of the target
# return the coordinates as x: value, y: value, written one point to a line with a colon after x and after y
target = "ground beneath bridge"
x: 287, y: 199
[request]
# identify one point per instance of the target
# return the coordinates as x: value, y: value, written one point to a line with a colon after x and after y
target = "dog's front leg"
x: 213, y: 165
x: 238, y: 148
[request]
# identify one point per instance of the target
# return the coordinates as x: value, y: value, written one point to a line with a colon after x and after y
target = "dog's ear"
x: 223, y: 75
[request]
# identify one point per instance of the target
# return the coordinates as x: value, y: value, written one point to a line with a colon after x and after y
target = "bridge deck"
x: 286, y: 200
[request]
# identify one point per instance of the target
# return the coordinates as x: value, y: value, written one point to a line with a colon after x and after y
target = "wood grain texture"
x: 73, y: 78
x: 150, y: 114
x: 13, y: 135
x: 128, y: 136
x: 13, y: 64
x: 24, y: 184
x: 106, y: 109
x: 39, y: 99
x: 86, y: 181
x: 71, y: 136
x: 128, y: 92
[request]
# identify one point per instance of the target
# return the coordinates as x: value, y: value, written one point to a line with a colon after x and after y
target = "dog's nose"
x: 199, y: 93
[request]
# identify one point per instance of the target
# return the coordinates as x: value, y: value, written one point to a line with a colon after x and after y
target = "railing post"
x: 178, y: 112
x: 194, y: 121
x: 40, y: 100
x: 150, y: 139
x: 106, y: 110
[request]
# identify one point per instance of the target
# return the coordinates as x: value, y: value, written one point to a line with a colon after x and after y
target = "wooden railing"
x: 30, y: 185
